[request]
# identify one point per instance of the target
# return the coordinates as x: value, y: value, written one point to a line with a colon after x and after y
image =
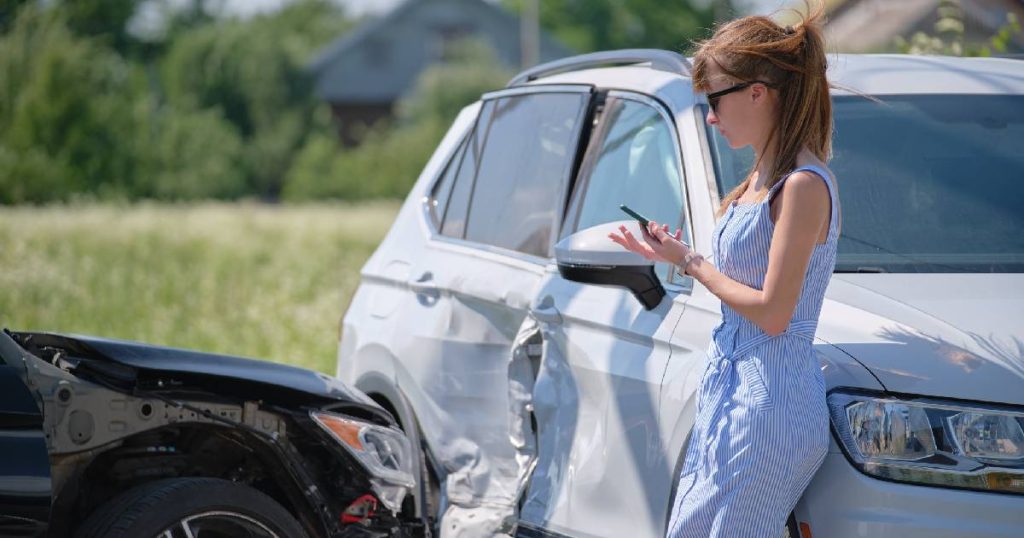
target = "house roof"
x: 381, y: 59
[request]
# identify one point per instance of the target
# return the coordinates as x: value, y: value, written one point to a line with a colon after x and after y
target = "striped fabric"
x: 761, y: 429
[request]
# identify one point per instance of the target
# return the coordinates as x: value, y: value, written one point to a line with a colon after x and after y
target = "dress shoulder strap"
x: 833, y: 228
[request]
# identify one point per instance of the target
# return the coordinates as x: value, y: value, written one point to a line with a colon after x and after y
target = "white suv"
x: 549, y: 376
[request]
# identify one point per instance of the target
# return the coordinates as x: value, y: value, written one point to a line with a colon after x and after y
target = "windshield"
x: 927, y: 183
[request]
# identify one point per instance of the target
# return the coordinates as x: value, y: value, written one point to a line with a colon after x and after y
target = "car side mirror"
x: 590, y: 257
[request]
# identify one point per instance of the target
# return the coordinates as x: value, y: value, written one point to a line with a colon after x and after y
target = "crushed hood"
x: 218, y: 374
x: 944, y: 335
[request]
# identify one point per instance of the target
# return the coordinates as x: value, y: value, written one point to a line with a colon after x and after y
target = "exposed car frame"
x: 85, y: 420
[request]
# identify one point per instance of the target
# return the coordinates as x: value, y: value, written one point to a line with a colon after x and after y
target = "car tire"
x: 220, y: 507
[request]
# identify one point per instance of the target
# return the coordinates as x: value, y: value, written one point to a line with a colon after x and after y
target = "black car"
x: 106, y: 438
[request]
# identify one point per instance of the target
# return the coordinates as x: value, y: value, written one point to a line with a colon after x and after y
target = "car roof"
x: 875, y: 74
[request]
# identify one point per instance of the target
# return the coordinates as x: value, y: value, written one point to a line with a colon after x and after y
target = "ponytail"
x: 792, y: 59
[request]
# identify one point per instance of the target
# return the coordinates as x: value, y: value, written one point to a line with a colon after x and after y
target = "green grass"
x: 262, y: 281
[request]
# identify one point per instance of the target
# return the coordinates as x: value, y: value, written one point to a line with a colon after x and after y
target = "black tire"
x: 148, y: 510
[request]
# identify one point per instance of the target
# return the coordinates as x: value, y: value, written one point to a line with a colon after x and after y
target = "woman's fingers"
x: 629, y: 241
x: 641, y: 248
x: 657, y: 232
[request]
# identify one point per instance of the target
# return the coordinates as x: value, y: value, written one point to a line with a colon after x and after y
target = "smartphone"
x: 642, y: 219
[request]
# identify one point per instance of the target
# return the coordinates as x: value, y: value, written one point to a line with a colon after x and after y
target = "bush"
x: 192, y: 155
x: 385, y: 165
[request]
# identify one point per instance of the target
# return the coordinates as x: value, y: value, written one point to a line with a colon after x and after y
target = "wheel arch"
x: 386, y: 393
x: 91, y: 484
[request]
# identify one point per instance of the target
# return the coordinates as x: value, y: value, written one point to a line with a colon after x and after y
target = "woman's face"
x: 744, y: 117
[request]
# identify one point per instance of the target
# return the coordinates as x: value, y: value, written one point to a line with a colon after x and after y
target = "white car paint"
x: 614, y: 392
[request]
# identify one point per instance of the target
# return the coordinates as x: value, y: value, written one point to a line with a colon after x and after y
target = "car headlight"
x: 926, y: 441
x: 384, y: 452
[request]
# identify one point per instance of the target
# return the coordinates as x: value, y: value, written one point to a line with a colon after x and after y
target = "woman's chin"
x: 734, y: 141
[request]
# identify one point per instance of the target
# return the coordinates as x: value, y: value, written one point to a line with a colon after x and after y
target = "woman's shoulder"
x: 806, y: 185
x: 815, y: 175
x: 808, y: 161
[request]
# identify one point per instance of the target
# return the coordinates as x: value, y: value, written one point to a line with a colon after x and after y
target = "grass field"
x: 262, y: 281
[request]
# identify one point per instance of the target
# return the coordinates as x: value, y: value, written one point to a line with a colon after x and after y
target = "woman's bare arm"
x: 804, y: 210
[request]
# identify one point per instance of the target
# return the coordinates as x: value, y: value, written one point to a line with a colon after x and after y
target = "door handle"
x: 545, y: 311
x: 423, y: 284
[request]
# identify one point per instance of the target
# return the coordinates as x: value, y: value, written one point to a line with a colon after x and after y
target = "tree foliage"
x: 219, y: 113
x: 221, y: 107
x: 590, y: 25
x: 390, y: 157
x: 67, y: 116
x: 106, y: 20
x: 948, y: 37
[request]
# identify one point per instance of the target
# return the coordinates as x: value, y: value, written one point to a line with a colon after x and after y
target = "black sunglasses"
x: 714, y: 97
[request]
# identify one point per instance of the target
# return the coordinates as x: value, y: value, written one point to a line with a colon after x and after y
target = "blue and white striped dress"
x: 761, y: 429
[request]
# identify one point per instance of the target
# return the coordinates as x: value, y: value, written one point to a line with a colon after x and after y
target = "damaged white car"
x: 548, y: 377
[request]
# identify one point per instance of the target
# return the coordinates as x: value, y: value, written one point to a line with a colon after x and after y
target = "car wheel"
x: 186, y: 507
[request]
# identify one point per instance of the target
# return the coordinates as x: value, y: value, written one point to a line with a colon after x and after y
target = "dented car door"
x: 596, y: 398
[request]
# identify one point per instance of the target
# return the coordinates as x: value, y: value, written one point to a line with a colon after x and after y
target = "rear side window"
x: 523, y: 171
x: 453, y: 191
x: 633, y: 159
x: 443, y: 189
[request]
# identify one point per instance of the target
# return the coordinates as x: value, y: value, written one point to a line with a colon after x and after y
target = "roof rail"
x: 662, y: 60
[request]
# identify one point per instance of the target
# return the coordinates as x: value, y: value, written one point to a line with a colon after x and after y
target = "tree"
x: 390, y: 157
x: 252, y: 73
x: 67, y: 114
x: 590, y: 25
x: 106, y: 20
x: 8, y: 12
x: 949, y: 35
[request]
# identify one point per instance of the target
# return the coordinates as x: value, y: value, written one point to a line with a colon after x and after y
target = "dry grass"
x: 246, y: 279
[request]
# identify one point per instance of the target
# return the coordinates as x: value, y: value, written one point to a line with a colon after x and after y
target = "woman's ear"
x: 758, y: 93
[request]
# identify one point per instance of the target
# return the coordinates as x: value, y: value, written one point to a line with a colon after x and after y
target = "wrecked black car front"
x: 112, y: 438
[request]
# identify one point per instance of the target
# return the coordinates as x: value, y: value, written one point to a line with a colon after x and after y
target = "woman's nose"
x: 711, y: 118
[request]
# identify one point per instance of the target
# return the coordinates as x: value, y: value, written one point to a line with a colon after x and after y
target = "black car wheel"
x: 191, y: 507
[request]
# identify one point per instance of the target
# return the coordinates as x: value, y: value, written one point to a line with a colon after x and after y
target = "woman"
x: 761, y: 429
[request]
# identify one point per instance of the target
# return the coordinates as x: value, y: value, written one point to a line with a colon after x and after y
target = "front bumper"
x: 842, y: 502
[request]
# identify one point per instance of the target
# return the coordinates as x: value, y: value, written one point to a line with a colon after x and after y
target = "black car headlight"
x: 927, y: 441
x: 385, y: 452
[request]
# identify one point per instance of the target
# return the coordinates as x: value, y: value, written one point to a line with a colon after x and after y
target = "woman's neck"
x: 765, y: 160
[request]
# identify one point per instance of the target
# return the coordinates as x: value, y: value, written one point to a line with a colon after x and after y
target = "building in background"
x: 874, y: 25
x: 363, y: 74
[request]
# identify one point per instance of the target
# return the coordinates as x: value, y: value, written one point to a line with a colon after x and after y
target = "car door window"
x: 633, y: 159
x: 524, y: 170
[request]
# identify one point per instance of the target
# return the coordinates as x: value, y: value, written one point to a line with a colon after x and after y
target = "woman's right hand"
x: 629, y: 242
